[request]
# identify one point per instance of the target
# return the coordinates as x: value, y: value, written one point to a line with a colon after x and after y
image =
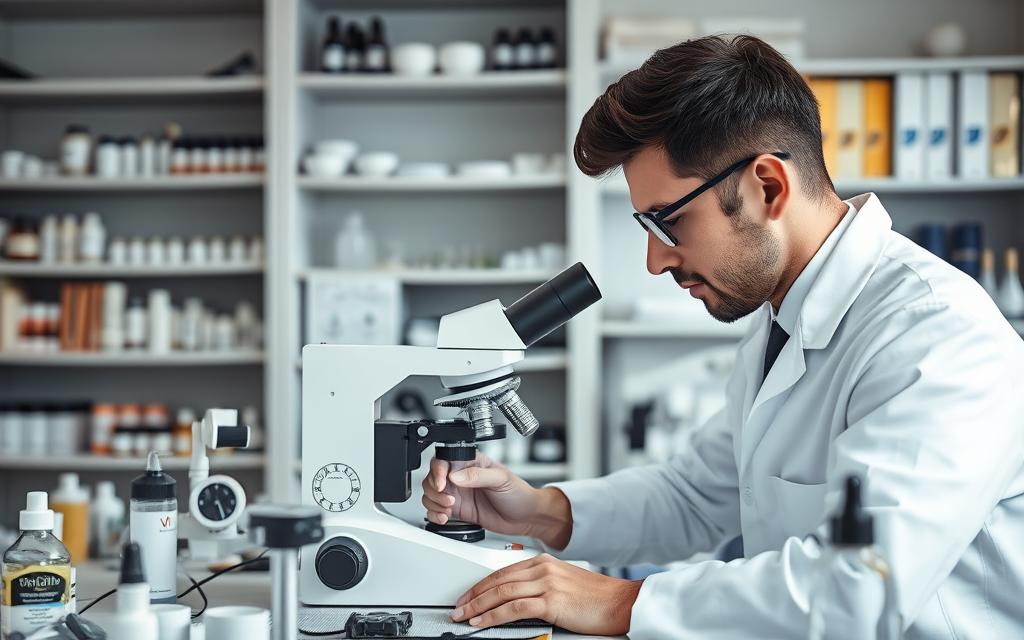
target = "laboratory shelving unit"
x: 121, y: 67
x: 128, y: 70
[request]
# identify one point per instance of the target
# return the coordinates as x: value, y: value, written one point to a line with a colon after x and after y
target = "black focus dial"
x: 217, y: 501
x: 341, y: 563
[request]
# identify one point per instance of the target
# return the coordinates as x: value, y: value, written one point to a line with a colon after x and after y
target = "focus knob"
x: 341, y: 563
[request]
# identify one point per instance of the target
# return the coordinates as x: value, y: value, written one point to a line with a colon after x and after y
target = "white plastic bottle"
x: 132, y: 618
x: 988, y: 274
x: 107, y: 521
x: 1011, y: 293
x: 153, y: 524
x: 92, y: 238
x: 355, y: 248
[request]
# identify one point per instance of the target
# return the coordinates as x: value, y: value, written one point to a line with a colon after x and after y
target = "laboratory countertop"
x: 234, y: 588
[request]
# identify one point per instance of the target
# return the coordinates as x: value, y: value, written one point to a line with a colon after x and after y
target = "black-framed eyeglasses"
x: 655, y: 221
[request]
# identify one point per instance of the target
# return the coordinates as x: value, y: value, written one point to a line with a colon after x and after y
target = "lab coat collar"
x: 845, y: 271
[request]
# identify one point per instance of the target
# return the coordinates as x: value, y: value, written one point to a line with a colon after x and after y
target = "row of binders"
x: 926, y: 126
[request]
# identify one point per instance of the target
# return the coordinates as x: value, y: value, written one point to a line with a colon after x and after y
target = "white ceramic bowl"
x: 344, y: 148
x: 485, y: 169
x: 414, y: 59
x: 462, y: 58
x: 324, y: 165
x: 376, y: 164
x: 424, y: 170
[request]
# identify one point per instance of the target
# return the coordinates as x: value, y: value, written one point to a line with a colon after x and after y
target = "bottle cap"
x: 69, y: 489
x: 105, y: 489
x: 154, y: 484
x: 131, y: 564
x: 852, y: 526
x: 36, y: 516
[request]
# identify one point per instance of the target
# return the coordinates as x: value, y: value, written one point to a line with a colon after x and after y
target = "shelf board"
x: 39, y: 270
x: 131, y: 359
x: 445, y: 277
x: 163, y: 183
x: 616, y: 185
x: 123, y: 88
x: 681, y: 329
x: 63, y: 9
x: 488, y: 83
x: 876, y: 66
x: 87, y: 462
x: 418, y: 185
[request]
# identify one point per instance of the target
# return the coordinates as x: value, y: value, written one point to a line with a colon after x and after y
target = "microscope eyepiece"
x: 553, y: 303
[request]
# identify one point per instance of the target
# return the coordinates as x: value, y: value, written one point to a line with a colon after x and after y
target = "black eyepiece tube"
x: 553, y: 303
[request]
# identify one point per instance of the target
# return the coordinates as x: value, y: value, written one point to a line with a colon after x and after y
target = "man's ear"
x: 774, y: 184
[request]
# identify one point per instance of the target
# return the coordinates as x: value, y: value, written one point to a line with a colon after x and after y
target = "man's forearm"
x: 552, y: 524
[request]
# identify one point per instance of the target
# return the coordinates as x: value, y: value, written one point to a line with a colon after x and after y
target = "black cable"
x: 202, y: 594
x: 90, y: 605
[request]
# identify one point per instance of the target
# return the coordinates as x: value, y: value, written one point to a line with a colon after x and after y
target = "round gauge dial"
x: 217, y: 501
x: 336, y: 487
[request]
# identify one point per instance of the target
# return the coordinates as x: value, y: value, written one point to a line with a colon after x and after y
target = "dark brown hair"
x: 708, y: 102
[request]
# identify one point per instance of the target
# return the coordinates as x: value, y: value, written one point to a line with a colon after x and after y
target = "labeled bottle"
x: 92, y: 238
x: 136, y: 320
x: 1011, y: 293
x: 503, y: 54
x: 547, y: 49
x: 75, y: 150
x: 107, y: 521
x: 182, y: 432
x: 22, y: 242
x: 108, y: 157
x: 853, y: 594
x: 132, y: 618
x: 129, y: 148
x: 525, y: 49
x: 153, y: 524
x: 49, y: 240
x: 147, y: 157
x: 988, y: 273
x: 332, y: 54
x: 376, y: 59
x: 355, y: 51
x: 37, y: 574
x: 72, y: 500
x: 68, y: 249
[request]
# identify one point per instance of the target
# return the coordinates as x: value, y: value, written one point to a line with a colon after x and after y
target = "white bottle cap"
x: 69, y: 490
x: 36, y: 516
x: 105, y: 490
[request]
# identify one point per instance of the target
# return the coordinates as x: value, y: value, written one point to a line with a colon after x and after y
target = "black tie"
x: 776, y: 340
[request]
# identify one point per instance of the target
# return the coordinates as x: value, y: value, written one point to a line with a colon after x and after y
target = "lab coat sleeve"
x: 933, y: 425
x: 658, y: 513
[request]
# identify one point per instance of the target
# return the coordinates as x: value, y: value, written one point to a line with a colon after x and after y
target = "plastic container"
x: 153, y: 524
x: 355, y: 248
x: 72, y: 500
x: 107, y: 520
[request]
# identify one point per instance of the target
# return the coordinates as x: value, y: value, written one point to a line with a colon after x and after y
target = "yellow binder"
x: 825, y: 91
x: 1004, y: 102
x: 877, y: 127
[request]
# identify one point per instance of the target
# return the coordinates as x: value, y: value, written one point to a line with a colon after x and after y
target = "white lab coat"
x: 900, y: 370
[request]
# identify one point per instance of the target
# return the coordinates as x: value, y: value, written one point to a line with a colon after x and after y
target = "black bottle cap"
x: 376, y: 30
x: 334, y: 26
x: 106, y: 139
x: 547, y: 35
x: 154, y: 484
x: 131, y: 564
x: 852, y: 526
x: 502, y: 36
x: 77, y: 128
x: 524, y: 35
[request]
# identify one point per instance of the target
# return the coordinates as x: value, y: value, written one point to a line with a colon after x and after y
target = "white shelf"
x: 681, y: 329
x: 38, y: 270
x: 163, y: 183
x: 122, y: 88
x: 616, y: 185
x: 488, y: 83
x: 87, y: 462
x: 444, y: 277
x: 454, y: 183
x: 63, y: 9
x: 876, y: 66
x: 131, y: 359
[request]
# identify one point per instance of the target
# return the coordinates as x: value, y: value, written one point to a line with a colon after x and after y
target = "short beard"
x: 751, y: 279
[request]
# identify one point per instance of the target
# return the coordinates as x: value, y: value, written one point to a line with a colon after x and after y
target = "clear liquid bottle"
x: 37, y: 575
x: 853, y: 595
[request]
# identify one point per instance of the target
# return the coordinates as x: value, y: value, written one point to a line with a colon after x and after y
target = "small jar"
x: 246, y: 155
x: 22, y: 242
x: 108, y: 158
x: 180, y: 158
x: 147, y: 157
x: 231, y: 160
x: 256, y: 250
x: 259, y: 156
x: 198, y: 157
x: 237, y: 252
x: 224, y: 335
x: 117, y: 252
x: 156, y: 252
x: 135, y: 325
x: 182, y: 432
x: 49, y: 240
x: 175, y: 251
x: 68, y: 249
x: 164, y: 153
x: 92, y: 238
x: 215, y: 156
x: 129, y: 149
x: 121, y: 442
x: 162, y: 441
x: 218, y: 250
x: 137, y: 252
x: 198, y: 251
x: 75, y: 150
x: 142, y: 442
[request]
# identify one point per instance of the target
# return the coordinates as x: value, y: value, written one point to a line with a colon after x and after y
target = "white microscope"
x: 352, y: 462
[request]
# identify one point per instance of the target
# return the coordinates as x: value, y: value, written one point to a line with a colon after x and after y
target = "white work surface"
x: 234, y: 588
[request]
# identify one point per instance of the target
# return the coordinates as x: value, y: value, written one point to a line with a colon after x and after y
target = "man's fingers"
x: 501, y: 575
x: 437, y: 518
x: 438, y: 507
x: 439, y: 473
x: 479, y: 478
x: 512, y: 611
x: 523, y: 584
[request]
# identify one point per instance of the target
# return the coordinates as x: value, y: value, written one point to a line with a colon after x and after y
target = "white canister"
x: 117, y: 252
x: 108, y: 158
x: 76, y: 150
x: 92, y: 238
x: 62, y: 426
x: 174, y: 621
x: 11, y: 431
x: 135, y: 325
x: 159, y: 321
x: 224, y: 335
x: 147, y: 157
x: 10, y: 163
x: 156, y: 252
x: 237, y: 250
x: 113, y: 320
x: 198, y: 251
x: 164, y: 149
x: 49, y: 240
x: 34, y: 435
x: 129, y: 157
x: 218, y: 250
x: 256, y: 250
x: 137, y: 252
x: 237, y: 623
x: 175, y: 251
x: 68, y: 251
x: 191, y: 325
x: 32, y: 167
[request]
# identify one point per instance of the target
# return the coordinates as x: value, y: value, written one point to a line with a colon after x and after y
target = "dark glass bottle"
x: 377, y: 58
x: 503, y: 55
x: 332, y: 55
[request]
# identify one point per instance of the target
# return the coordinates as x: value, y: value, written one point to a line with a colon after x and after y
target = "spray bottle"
x: 853, y: 594
x: 153, y: 524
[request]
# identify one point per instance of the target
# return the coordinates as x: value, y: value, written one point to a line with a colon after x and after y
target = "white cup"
x: 237, y: 623
x: 414, y: 59
x: 10, y: 163
x: 32, y: 167
x: 461, y: 58
x: 529, y: 164
x: 174, y: 621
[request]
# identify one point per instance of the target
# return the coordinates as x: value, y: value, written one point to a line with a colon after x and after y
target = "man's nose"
x: 660, y: 256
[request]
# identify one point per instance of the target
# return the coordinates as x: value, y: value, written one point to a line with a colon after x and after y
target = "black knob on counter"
x: 341, y: 563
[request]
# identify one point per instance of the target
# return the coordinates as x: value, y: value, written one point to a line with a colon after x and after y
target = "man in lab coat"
x: 867, y: 355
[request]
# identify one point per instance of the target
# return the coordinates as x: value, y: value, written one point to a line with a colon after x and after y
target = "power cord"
x: 195, y: 585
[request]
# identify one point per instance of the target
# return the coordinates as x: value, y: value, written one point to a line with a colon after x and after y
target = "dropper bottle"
x: 153, y: 524
x: 132, y: 618
x: 853, y: 595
